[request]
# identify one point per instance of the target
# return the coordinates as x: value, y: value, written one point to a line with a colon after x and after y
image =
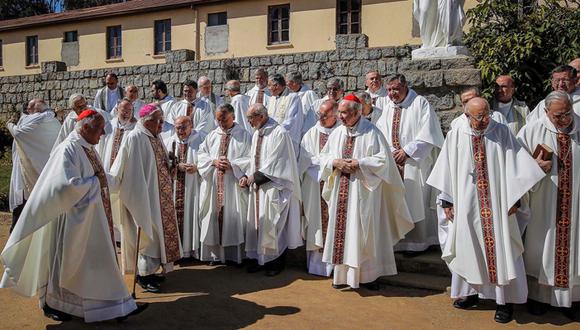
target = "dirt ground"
x: 200, y: 296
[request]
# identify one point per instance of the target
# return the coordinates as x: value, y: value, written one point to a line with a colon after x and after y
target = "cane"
x: 136, y: 261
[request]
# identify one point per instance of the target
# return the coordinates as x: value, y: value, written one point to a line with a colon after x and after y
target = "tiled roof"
x: 124, y: 8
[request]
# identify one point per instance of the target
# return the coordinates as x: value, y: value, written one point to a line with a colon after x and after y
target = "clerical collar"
x: 267, y: 127
x: 74, y: 136
x: 227, y: 131
x: 411, y: 94
x: 284, y: 92
x: 327, y: 130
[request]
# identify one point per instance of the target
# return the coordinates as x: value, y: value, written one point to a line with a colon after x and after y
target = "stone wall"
x: 439, y: 81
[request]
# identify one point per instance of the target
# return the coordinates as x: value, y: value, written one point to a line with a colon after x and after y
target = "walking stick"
x: 136, y: 261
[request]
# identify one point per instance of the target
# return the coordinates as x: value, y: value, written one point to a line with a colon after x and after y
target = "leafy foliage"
x: 10, y: 9
x: 78, y: 4
x: 525, y: 39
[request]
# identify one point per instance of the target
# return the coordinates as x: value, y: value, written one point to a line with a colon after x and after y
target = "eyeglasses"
x: 479, y: 118
x: 562, y: 80
x: 562, y: 115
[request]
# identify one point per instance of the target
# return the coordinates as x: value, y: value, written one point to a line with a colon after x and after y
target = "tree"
x: 78, y: 4
x: 525, y: 39
x: 10, y: 9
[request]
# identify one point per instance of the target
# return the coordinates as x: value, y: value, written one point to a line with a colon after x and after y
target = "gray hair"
x: 558, y: 96
x: 227, y: 108
x: 294, y: 76
x: 233, y: 85
x: 261, y: 71
x: 41, y: 106
x: 334, y: 82
x: 89, y: 121
x: 73, y: 98
x: 352, y: 105
x: 259, y: 109
x: 399, y: 76
x: 203, y: 79
x: 278, y: 79
x: 470, y: 89
x: 331, y: 102
x: 364, y: 97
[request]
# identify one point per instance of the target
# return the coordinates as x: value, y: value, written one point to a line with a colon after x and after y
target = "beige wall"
x: 312, y: 28
x: 137, y: 38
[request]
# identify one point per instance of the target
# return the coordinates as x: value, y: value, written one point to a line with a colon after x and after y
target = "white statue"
x: 441, y: 27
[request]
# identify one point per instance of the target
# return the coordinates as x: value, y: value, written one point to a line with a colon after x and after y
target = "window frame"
x: 348, y: 11
x: 75, y: 33
x: 279, y: 20
x: 114, y: 43
x: 162, y: 29
x: 1, y: 53
x: 32, y: 54
x: 218, y: 16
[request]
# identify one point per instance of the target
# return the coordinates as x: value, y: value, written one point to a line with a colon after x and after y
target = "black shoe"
x: 140, y: 308
x: 214, y: 263
x: 504, y: 313
x: 412, y: 254
x: 339, y: 286
x: 466, y: 302
x: 373, y: 286
x: 56, y: 315
x: 273, y: 272
x: 254, y: 268
x: 157, y: 278
x: 573, y: 313
x: 148, y: 284
x: 536, y: 307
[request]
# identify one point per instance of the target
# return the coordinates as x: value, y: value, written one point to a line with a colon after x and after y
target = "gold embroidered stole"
x: 116, y: 144
x: 341, y: 211
x: 180, y: 189
x: 257, y: 166
x: 222, y: 153
x: 322, y: 139
x: 395, y: 132
x: 563, y: 212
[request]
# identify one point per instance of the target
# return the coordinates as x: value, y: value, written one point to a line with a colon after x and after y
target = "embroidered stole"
x: 341, y: 211
x: 222, y: 153
x: 116, y: 144
x: 322, y: 139
x: 168, y: 219
x: 395, y: 132
x: 482, y: 183
x: 563, y: 212
x: 180, y: 189
x: 260, y: 96
x: 100, y: 173
x: 257, y: 166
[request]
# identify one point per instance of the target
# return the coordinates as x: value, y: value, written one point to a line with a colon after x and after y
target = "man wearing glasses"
x: 563, y: 79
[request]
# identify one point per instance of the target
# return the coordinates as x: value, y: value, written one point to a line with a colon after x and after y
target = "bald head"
x: 504, y: 88
x: 257, y: 115
x: 183, y: 127
x: 328, y: 113
x: 477, y: 111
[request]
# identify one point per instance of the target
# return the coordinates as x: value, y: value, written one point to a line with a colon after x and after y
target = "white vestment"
x: 374, y: 116
x: 420, y: 136
x: 511, y: 172
x: 228, y: 246
x: 137, y: 105
x: 540, y: 109
x: 286, y: 109
x: 135, y: 178
x: 376, y: 214
x: 440, y: 22
x: 541, y: 234
x: 201, y: 115
x: 515, y: 113
x: 241, y: 103
x: 61, y: 249
x: 34, y: 136
x: 309, y: 171
x: 381, y: 92
x: 190, y: 231
x: 213, y: 101
x: 69, y: 122
x: 275, y: 224
x: 308, y: 97
x: 107, y: 99
x: 253, y: 94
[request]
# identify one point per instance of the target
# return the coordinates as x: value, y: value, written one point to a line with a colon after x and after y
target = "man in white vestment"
x: 33, y: 134
x: 183, y: 146
x: 76, y: 104
x: 334, y: 92
x: 514, y: 110
x: 132, y: 94
x: 440, y: 22
x: 563, y: 79
x: 195, y: 107
x: 63, y: 248
x: 366, y: 202
x: 273, y: 206
x: 107, y: 97
x: 142, y: 177
x: 465, y: 96
x: 159, y: 94
x: 413, y: 132
x: 374, y: 85
x: 295, y: 84
x: 286, y: 109
x: 369, y: 111
x: 223, y: 159
x: 207, y: 95
x: 551, y: 245
x: 315, y: 221
x: 260, y: 92
x: 482, y: 172
x: 240, y: 103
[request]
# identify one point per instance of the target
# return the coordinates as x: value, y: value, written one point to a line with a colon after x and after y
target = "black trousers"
x: 278, y: 263
x: 16, y: 214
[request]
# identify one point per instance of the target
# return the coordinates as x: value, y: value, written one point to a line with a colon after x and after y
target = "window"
x: 348, y: 16
x: 278, y: 24
x: 1, y: 53
x: 217, y: 19
x: 70, y: 36
x: 162, y: 36
x: 31, y: 50
x: 114, y: 42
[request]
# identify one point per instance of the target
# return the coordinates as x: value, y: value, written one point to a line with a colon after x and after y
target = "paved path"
x: 199, y: 296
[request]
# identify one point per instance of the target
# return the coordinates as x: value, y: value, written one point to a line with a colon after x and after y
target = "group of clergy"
x: 246, y: 177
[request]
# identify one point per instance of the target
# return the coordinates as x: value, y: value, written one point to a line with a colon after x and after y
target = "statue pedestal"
x: 439, y: 52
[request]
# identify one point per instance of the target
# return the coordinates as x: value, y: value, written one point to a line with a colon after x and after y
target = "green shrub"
x: 525, y: 39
